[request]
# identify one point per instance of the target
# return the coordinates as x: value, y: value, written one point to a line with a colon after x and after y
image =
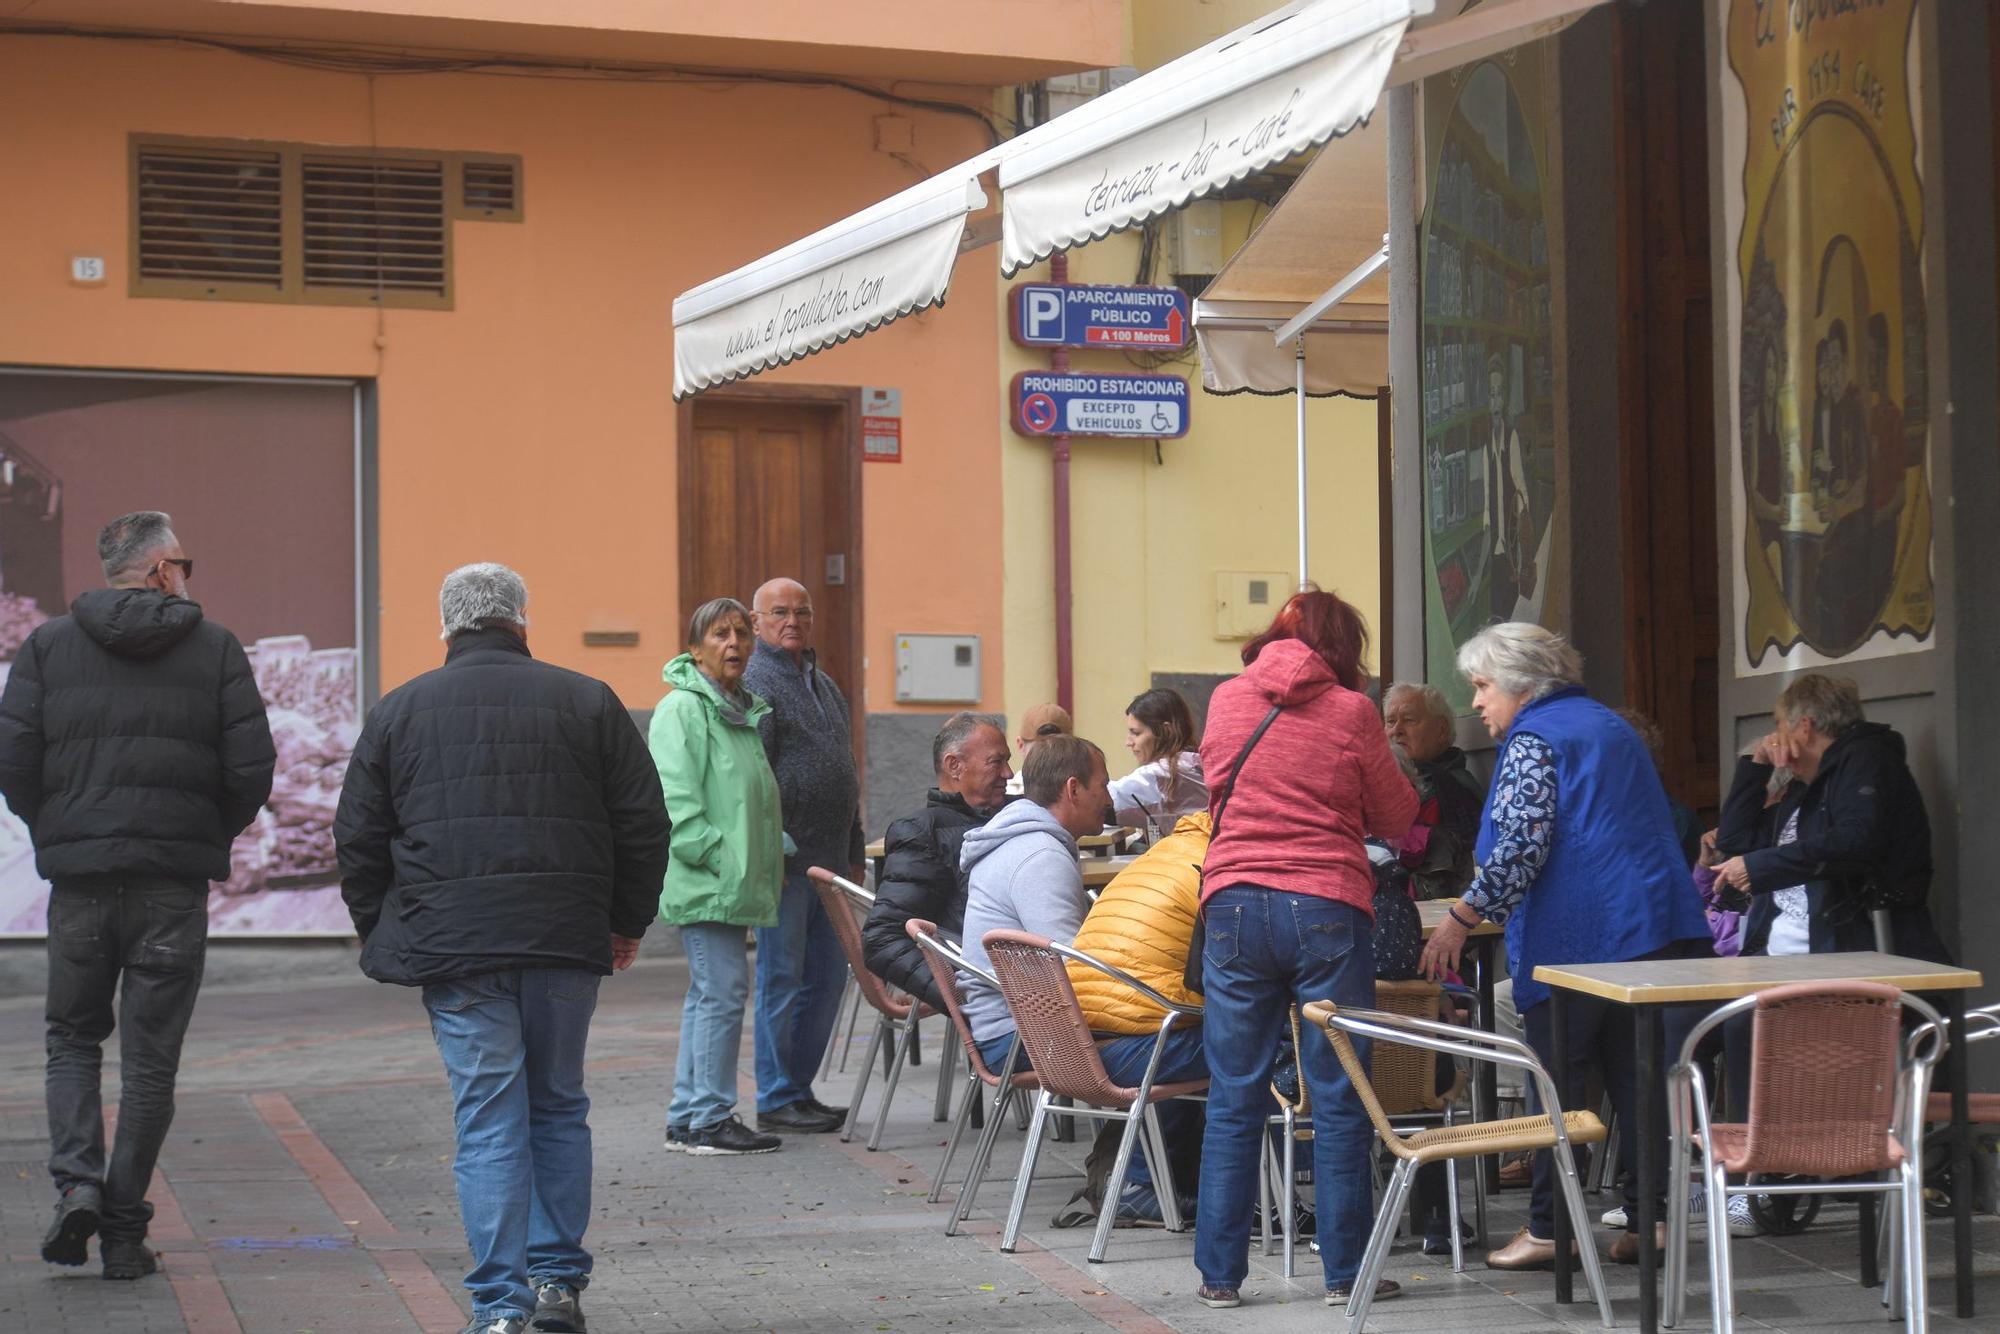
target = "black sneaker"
x: 68, y: 1239
x: 677, y: 1139
x: 126, y: 1260
x: 558, y: 1309
x: 731, y: 1136
x: 800, y: 1118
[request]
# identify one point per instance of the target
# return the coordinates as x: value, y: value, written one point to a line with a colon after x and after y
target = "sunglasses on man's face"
x: 186, y: 564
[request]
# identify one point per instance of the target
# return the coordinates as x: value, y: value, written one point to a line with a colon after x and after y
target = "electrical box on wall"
x: 1245, y: 601
x: 937, y: 669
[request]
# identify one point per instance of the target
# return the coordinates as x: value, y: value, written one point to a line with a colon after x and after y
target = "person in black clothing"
x: 503, y: 839
x: 1438, y: 849
x: 134, y: 744
x: 1852, y: 834
x: 920, y: 876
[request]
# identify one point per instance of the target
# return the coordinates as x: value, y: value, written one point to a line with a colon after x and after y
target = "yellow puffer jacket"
x: 1143, y: 923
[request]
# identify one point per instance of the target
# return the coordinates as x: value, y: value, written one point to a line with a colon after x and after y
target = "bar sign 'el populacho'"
x: 1152, y: 407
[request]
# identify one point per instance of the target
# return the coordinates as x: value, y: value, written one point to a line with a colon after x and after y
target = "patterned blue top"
x: 1524, y: 826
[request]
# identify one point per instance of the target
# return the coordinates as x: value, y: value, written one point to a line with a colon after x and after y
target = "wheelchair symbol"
x: 1161, y: 421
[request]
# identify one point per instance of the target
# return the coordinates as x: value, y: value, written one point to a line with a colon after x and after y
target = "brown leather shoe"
x: 1625, y: 1250
x: 1517, y: 1172
x: 1527, y: 1251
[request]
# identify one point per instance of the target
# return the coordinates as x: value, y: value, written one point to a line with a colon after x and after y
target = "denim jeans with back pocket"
x: 1266, y: 951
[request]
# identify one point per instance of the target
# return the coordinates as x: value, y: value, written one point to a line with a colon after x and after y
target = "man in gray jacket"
x: 800, y: 969
x: 1022, y: 874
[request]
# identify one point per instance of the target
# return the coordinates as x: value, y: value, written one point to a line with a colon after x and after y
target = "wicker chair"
x: 896, y: 1016
x: 1032, y: 977
x: 1553, y: 1129
x: 945, y: 961
x: 1829, y: 1098
x: 1405, y: 1081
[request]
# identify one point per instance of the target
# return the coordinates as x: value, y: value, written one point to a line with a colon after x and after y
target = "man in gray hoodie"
x: 1022, y: 874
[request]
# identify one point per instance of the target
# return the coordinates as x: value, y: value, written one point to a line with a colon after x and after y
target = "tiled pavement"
x: 307, y: 1187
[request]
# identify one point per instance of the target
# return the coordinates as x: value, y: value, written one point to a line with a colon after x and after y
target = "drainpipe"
x: 1065, y: 639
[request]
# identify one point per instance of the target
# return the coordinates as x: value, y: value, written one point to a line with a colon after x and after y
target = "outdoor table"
x: 1648, y: 985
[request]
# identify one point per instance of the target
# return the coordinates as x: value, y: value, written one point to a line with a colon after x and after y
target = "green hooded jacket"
x: 728, y: 856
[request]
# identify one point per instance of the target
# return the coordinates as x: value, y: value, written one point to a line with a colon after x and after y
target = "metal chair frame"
x: 1003, y: 1091
x: 1472, y: 1045
x: 1139, y: 1118
x: 1687, y: 1102
x: 889, y: 1028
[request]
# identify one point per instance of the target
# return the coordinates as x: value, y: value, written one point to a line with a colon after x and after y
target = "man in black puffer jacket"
x: 133, y: 742
x: 920, y: 876
x: 502, y: 841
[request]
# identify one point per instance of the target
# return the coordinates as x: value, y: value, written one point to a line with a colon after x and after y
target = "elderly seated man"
x: 1022, y: 875
x: 920, y: 876
x: 1438, y: 848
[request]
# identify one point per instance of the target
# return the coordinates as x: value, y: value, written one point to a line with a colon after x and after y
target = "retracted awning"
x: 1332, y: 220
x: 1307, y: 73
x: 854, y: 276
x: 1294, y: 79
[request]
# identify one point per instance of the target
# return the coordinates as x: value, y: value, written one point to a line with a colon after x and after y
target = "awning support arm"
x: 1333, y: 295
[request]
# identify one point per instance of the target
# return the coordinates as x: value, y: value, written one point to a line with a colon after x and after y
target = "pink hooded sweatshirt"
x: 1320, y: 780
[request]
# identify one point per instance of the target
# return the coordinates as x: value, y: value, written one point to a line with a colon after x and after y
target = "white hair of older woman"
x: 475, y: 596
x: 1521, y: 658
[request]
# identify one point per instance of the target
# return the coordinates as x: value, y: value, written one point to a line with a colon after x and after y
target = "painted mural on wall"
x: 1490, y: 463
x: 73, y: 453
x: 1830, y: 393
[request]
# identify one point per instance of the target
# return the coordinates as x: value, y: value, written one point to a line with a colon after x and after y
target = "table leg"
x: 1961, y: 1154
x: 1645, y: 1166
x: 1559, y: 1058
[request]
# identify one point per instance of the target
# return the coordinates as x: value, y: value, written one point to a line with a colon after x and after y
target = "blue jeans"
x: 1125, y: 1062
x: 1265, y: 952
x: 513, y: 1044
x: 711, y: 1024
x: 800, y: 976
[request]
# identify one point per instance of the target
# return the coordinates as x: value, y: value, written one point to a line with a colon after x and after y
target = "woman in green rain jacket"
x: 727, y: 867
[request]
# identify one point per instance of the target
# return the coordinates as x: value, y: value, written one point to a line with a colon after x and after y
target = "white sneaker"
x: 1741, y: 1222
x: 1614, y: 1219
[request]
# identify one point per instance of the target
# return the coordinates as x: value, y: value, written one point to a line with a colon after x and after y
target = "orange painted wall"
x: 534, y: 423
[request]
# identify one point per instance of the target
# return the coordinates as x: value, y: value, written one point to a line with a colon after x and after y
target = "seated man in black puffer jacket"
x: 920, y: 876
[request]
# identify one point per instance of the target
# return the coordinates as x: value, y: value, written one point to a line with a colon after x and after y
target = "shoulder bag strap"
x: 1236, y: 770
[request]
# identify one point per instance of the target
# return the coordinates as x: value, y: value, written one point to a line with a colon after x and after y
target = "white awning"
x: 1304, y: 74
x: 849, y: 278
x: 1296, y: 78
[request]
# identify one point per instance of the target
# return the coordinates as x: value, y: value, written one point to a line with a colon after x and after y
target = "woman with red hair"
x: 1300, y: 772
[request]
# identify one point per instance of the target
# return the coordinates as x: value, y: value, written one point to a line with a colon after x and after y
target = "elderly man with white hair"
x: 1438, y: 848
x: 502, y: 840
x: 1577, y: 858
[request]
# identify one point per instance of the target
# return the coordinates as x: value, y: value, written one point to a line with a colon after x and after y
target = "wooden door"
x: 1671, y: 499
x: 768, y: 488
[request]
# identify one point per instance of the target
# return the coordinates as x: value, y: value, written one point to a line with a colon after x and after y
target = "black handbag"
x: 1191, y: 971
x: 1399, y: 931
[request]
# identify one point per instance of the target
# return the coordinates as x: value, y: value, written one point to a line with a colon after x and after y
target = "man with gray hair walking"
x: 502, y: 841
x: 134, y: 744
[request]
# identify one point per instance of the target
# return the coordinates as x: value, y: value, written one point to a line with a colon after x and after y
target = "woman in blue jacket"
x: 1578, y: 859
